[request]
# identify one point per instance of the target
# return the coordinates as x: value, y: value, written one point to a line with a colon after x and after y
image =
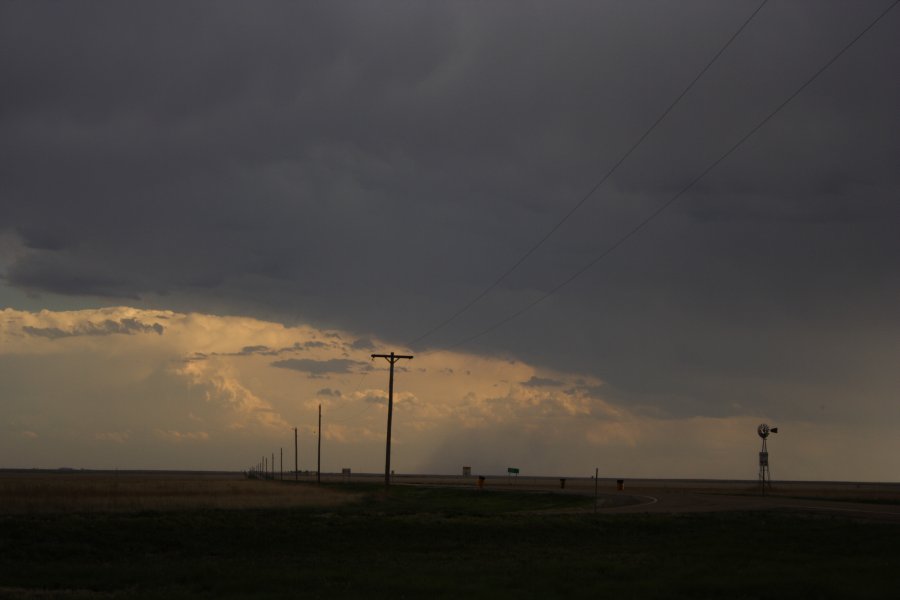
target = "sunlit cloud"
x: 118, y: 437
x: 222, y: 387
x: 182, y: 436
x: 219, y: 392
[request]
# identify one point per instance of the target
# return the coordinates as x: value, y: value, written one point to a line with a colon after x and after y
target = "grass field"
x: 421, y: 542
x: 52, y: 492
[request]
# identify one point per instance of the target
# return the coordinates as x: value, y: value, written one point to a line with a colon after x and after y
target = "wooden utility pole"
x: 295, y: 454
x: 319, y: 449
x: 281, y: 463
x: 391, y: 358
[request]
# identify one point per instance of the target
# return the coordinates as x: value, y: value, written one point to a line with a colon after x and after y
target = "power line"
x: 347, y: 418
x: 356, y: 414
x: 681, y: 192
x: 597, y: 186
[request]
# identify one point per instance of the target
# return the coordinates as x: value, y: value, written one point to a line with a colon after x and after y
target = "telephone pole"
x: 319, y: 450
x: 295, y: 454
x: 391, y: 358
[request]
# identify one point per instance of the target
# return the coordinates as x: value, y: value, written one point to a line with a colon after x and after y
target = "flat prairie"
x: 36, y: 491
x: 23, y: 492
x: 219, y: 535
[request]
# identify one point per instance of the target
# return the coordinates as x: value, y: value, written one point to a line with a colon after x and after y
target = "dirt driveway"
x: 868, y: 501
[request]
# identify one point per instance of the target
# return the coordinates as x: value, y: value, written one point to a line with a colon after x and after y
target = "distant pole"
x: 392, y: 358
x: 265, y: 467
x: 295, y: 454
x: 273, y: 466
x: 319, y: 450
x: 281, y: 463
x: 596, y: 485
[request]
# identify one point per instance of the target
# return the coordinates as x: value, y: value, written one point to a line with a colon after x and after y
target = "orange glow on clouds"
x: 132, y: 388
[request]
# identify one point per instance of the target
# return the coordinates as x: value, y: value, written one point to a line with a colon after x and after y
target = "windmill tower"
x: 765, y: 478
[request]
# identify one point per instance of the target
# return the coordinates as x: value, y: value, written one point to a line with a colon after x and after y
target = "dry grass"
x: 41, y: 492
x: 36, y: 493
x: 423, y: 541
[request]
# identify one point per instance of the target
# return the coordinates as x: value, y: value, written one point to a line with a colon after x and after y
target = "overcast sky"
x: 362, y: 171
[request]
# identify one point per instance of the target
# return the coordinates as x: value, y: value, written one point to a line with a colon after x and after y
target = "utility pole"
x: 281, y: 464
x: 273, y: 466
x: 391, y: 358
x: 319, y: 449
x: 295, y: 454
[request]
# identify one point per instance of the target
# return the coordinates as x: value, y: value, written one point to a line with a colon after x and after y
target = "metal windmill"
x: 765, y: 479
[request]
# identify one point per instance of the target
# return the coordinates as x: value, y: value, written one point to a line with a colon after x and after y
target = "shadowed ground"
x: 355, y: 539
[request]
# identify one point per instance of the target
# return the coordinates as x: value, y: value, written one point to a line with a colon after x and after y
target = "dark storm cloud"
x: 106, y: 327
x: 374, y: 398
x: 58, y: 275
x: 264, y: 350
x: 541, y: 382
x: 362, y: 344
x: 261, y: 350
x: 321, y: 367
x: 373, y: 167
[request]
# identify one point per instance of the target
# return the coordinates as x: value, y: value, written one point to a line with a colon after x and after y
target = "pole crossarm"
x: 391, y: 358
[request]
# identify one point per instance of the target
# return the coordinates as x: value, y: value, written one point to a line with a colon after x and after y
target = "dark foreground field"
x: 416, y: 542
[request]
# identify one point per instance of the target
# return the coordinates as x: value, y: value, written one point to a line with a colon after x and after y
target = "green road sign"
x: 512, y: 470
